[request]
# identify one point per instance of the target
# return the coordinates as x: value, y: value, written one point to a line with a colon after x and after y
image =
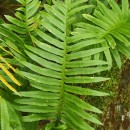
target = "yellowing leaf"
x: 2, y: 58
x: 9, y: 74
x: 8, y: 85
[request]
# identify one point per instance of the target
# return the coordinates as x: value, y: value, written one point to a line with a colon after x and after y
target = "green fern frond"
x: 111, y: 25
x: 57, y: 68
x: 26, y: 17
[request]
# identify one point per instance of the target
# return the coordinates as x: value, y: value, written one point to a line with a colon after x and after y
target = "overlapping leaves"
x: 57, y: 64
x: 7, y: 122
x: 111, y: 25
x: 59, y: 61
x: 26, y: 17
x: 8, y: 80
x: 6, y: 76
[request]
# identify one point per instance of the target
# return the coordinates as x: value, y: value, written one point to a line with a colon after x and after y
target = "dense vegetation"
x: 60, y: 63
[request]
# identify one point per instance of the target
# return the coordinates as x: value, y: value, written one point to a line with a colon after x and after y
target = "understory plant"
x: 52, y: 52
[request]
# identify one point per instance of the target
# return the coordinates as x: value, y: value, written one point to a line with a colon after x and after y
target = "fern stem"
x: 61, y: 104
x: 62, y: 88
x: 28, y: 37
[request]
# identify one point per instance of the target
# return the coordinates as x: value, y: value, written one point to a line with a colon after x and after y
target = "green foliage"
x: 57, y: 55
x: 111, y: 25
x: 26, y: 20
x: 7, y: 111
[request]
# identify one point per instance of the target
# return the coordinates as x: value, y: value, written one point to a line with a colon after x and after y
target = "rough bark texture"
x: 117, y: 116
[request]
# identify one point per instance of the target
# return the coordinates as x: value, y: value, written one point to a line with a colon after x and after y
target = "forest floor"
x: 117, y: 109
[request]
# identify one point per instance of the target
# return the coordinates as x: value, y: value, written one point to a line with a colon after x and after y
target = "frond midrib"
x: 106, y: 32
x: 26, y: 19
x: 61, y: 102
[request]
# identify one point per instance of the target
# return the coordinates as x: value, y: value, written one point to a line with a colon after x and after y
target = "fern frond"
x: 26, y: 17
x: 58, y: 66
x: 111, y: 25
